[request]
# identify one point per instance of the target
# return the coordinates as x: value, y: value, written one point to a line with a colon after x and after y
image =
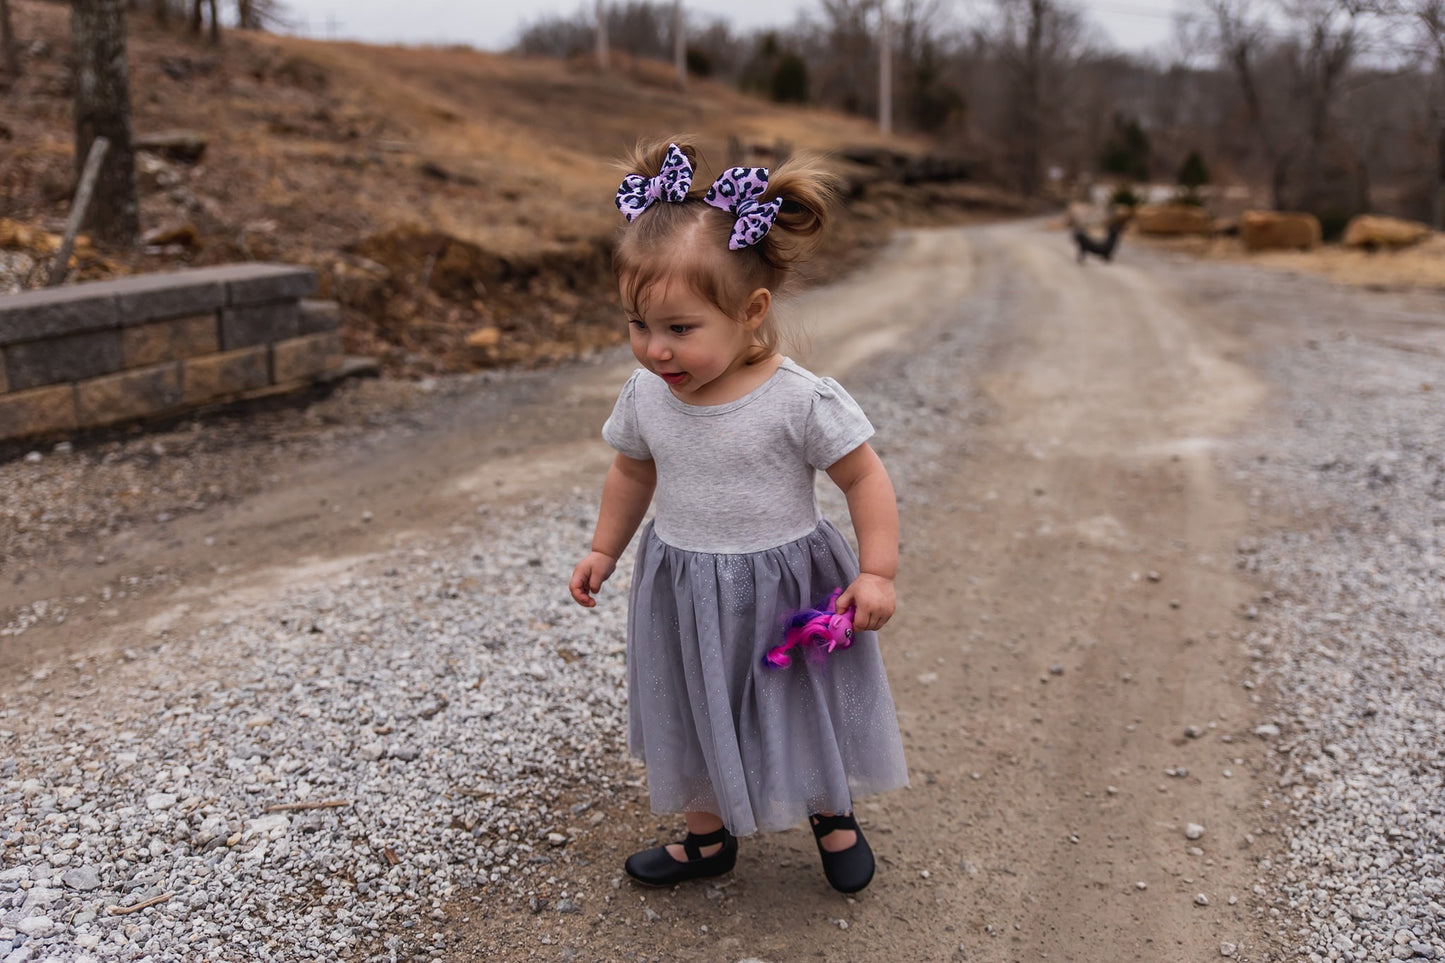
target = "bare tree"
x: 885, y: 70
x: 102, y: 109
x: 1327, y: 39
x: 260, y: 14
x: 1313, y: 163
x: 679, y: 45
x: 928, y: 97
x: 602, y: 52
x: 844, y: 55
x: 1425, y: 22
x: 197, y: 19
x: 8, y: 41
x: 1240, y: 35
x: 1037, y: 42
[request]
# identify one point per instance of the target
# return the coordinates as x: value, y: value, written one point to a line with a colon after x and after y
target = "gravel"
x: 440, y: 722
x: 1349, y: 636
x: 437, y: 722
x: 88, y: 490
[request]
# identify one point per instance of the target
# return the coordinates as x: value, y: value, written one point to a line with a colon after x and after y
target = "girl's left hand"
x: 874, y: 600
x: 588, y: 576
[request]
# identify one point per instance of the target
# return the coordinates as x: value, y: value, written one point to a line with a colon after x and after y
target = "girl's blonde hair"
x: 688, y: 241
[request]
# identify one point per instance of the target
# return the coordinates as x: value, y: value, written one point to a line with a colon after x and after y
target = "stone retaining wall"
x: 95, y: 354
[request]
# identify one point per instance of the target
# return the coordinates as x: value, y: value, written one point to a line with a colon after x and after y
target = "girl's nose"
x: 658, y: 350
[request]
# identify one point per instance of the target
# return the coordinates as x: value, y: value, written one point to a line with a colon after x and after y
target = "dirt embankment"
x: 456, y: 203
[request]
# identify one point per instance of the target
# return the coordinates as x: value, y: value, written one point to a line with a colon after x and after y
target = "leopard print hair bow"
x: 671, y: 184
x: 737, y: 192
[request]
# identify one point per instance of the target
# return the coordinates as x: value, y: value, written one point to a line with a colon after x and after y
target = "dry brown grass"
x: 535, y: 142
x: 377, y: 164
x: 1420, y: 266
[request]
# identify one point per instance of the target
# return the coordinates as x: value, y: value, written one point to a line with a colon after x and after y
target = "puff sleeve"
x: 836, y: 425
x: 622, y: 429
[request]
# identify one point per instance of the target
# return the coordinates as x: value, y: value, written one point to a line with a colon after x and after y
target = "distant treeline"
x: 1332, y: 106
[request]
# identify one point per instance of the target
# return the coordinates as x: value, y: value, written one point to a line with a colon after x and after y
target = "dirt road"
x: 1065, y: 661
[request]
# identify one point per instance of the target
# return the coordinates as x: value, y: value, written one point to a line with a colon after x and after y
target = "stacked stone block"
x: 97, y: 354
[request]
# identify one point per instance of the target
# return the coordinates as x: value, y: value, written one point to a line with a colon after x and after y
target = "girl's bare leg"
x: 839, y: 839
x: 699, y: 824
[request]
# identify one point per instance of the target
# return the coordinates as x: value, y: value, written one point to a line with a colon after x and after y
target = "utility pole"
x: 885, y: 70
x: 8, y: 42
x: 679, y: 45
x: 602, y: 57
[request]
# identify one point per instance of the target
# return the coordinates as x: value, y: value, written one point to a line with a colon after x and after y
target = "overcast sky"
x: 494, y: 24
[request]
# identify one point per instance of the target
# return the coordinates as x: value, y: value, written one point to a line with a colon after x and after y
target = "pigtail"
x: 808, y: 191
x: 647, y: 156
x: 692, y: 238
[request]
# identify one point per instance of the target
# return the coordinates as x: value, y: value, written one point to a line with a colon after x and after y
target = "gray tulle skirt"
x: 720, y: 732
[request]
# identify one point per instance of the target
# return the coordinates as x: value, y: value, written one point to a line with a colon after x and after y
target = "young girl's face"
x: 691, y: 343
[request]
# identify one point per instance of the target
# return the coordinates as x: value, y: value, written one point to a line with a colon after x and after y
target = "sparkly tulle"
x: 720, y: 732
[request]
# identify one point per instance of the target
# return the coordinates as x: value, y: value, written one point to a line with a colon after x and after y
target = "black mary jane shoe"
x: 848, y: 870
x: 657, y: 867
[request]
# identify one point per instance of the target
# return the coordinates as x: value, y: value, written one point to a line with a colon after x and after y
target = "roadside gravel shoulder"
x: 347, y: 762
x: 428, y: 722
x: 1346, y: 476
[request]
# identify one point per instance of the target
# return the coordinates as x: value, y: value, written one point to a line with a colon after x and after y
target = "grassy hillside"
x: 457, y: 203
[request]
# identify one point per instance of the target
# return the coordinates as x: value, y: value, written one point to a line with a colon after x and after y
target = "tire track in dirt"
x: 1079, y: 672
x: 1045, y: 681
x: 1035, y: 662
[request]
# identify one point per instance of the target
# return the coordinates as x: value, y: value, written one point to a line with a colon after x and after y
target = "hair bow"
x: 671, y: 184
x: 737, y: 192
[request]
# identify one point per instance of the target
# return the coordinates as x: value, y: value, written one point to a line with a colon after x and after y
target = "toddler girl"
x: 724, y: 435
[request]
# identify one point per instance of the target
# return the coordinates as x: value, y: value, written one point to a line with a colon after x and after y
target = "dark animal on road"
x: 1102, y: 248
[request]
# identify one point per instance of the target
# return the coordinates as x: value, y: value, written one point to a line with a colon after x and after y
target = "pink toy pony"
x: 816, y: 631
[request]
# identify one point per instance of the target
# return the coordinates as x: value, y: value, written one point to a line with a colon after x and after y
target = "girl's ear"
x: 759, y: 303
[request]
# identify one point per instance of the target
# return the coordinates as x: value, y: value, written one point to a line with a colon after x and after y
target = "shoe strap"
x: 692, y: 845
x: 823, y: 825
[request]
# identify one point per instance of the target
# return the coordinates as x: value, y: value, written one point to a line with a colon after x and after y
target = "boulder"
x: 1373, y: 231
x: 1172, y: 219
x: 1279, y: 231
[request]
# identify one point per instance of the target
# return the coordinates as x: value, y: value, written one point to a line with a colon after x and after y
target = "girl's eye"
x: 679, y: 328
x: 637, y: 323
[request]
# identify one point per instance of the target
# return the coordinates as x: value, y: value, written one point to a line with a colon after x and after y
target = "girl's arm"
x: 874, y: 509
x: 626, y: 493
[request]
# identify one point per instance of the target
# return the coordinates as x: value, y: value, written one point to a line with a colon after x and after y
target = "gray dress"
x: 737, y: 544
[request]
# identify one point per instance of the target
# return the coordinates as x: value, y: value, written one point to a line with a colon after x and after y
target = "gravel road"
x: 305, y: 684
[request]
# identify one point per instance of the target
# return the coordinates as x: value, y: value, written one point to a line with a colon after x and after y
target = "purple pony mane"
x: 816, y: 632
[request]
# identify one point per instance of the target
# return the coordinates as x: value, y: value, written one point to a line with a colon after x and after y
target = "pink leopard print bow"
x: 671, y: 184
x: 737, y: 192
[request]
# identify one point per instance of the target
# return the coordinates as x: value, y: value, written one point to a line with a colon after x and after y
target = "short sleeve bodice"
x: 737, y: 477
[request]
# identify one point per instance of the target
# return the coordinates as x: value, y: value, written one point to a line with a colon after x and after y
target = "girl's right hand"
x: 588, y: 576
